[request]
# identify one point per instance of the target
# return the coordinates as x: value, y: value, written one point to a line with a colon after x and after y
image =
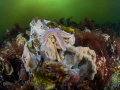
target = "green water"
x: 23, y: 11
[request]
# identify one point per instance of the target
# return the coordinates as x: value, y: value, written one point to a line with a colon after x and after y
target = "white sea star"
x: 58, y: 34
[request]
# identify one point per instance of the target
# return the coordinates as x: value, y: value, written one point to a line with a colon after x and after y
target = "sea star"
x: 58, y: 34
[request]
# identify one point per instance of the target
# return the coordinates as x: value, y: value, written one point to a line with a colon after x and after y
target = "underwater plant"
x: 67, y: 29
x: 50, y: 74
x: 90, y: 39
x: 87, y: 23
x: 67, y: 22
x: 11, y: 34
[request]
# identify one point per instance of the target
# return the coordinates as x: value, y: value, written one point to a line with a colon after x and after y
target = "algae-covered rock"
x: 42, y: 77
x: 115, y: 81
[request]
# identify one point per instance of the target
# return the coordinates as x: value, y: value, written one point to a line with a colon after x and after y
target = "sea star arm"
x: 56, y: 34
x: 60, y: 40
x: 64, y: 34
x: 46, y: 35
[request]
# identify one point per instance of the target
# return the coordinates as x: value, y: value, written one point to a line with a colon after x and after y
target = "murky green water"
x: 23, y: 11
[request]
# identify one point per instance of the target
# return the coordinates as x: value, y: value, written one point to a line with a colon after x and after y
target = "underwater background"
x: 59, y: 45
x: 23, y: 11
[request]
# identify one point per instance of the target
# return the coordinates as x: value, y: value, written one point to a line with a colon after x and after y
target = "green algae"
x: 47, y: 79
x: 115, y: 81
